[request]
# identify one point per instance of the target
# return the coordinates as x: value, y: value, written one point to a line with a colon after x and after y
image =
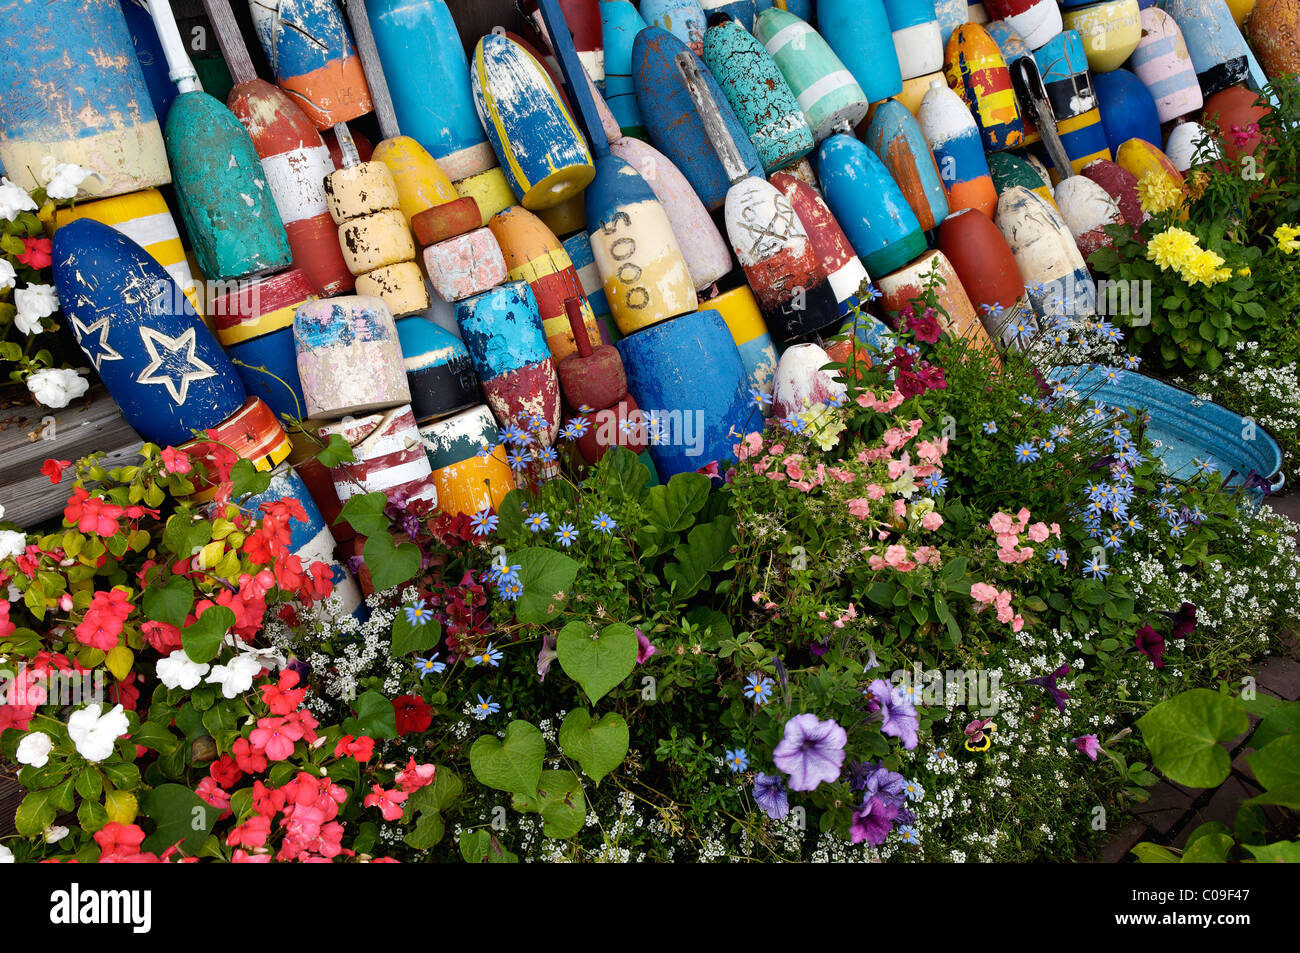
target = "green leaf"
x: 1281, y: 852
x: 705, y: 551
x: 625, y: 474
x: 1277, y: 718
x: 1148, y: 853
x: 514, y: 764
x: 547, y: 577
x: 510, y: 515
x: 365, y: 513
x: 1286, y: 796
x: 375, y: 717
x: 560, y: 802
x: 181, y: 816
x: 482, y: 847
x: 672, y: 507
x: 1184, y: 733
x: 35, y: 813
x: 598, y: 746
x: 1277, y: 764
x: 1209, y: 849
x: 92, y: 816
x: 123, y: 775
x: 411, y: 637
x: 202, y: 640
x: 428, y: 831
x: 390, y: 565
x: 598, y: 661
x: 169, y: 602
x: 246, y: 479
x: 336, y: 451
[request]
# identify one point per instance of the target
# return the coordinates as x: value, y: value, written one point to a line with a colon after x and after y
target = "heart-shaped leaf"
x: 598, y: 746
x: 560, y: 802
x: 375, y: 717
x: 365, y: 513
x: 411, y: 637
x: 202, y: 640
x: 1184, y: 733
x: 390, y: 565
x: 546, y: 577
x: 169, y: 602
x: 514, y: 764
x: 673, y: 507
x: 1277, y: 764
x: 597, y: 661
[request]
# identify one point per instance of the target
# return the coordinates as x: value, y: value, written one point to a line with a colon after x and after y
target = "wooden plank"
x: 29, y: 436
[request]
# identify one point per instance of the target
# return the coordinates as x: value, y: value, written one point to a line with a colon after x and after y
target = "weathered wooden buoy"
x: 989, y: 275
x: 468, y: 461
x: 918, y: 44
x: 953, y: 136
x: 1186, y: 141
x: 1274, y: 32
x: 619, y: 24
x: 566, y: 218
x: 854, y: 29
x: 741, y: 10
x: 252, y: 433
x: 1087, y: 209
x: 1163, y: 63
x: 541, y: 151
x: 74, y: 92
x: 221, y: 187
x: 1054, y: 272
x: 908, y: 283
x: 582, y: 17
x: 827, y: 92
x: 254, y: 323
x: 388, y: 457
x: 160, y: 363
x: 1072, y: 101
x: 757, y: 93
x: 465, y: 265
x: 421, y: 183
x: 702, y: 245
x: 674, y: 125
x: 802, y: 383
x: 950, y: 14
x: 445, y: 221
x: 592, y: 377
x: 439, y: 372
x: 533, y: 254
x: 868, y: 204
x: 503, y: 331
x: 896, y: 138
x: 1234, y: 113
x: 1037, y: 21
x: 490, y: 190
x: 1144, y: 159
x: 1121, y: 185
x: 684, y: 19
x: 349, y: 358
x: 295, y: 162
x: 739, y: 308
x: 1008, y: 171
x: 144, y: 218
x: 1218, y: 52
x: 1127, y: 109
x: 769, y: 240
x: 317, y: 478
x: 914, y: 90
x: 1013, y: 47
x: 1110, y: 31
x: 578, y: 248
x: 310, y: 51
x: 844, y: 270
x: 688, y: 376
x: 977, y: 71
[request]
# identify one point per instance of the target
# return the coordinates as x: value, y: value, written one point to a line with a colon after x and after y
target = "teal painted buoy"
x: 619, y: 24
x: 854, y: 30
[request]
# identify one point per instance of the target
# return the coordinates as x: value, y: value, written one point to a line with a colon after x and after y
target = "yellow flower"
x: 1286, y: 236
x: 1172, y: 248
x: 1243, y: 272
x: 1157, y: 192
x: 1204, y: 267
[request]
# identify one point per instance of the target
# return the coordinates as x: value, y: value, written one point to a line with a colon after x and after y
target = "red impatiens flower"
x: 412, y: 714
x: 176, y: 461
x: 91, y: 514
x: 225, y: 772
x: 360, y: 748
x: 54, y: 469
x: 36, y: 253
x: 104, y: 619
x: 388, y: 802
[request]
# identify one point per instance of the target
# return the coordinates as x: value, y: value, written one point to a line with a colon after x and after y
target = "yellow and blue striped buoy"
x: 1064, y: 69
x: 976, y: 69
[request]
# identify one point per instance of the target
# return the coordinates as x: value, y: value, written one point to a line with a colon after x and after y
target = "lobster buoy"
x: 895, y: 136
x: 388, y: 457
x: 989, y: 275
x: 349, y: 357
x: 1163, y: 63
x: 439, y: 372
x: 468, y: 461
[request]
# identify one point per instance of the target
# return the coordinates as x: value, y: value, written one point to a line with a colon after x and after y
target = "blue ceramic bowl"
x: 1185, y: 427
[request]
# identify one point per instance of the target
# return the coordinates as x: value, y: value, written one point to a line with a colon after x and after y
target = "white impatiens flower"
x: 178, y: 671
x: 13, y: 200
x: 55, y: 833
x: 235, y: 677
x: 56, y: 387
x: 36, y: 301
x: 6, y: 855
x: 27, y: 324
x: 8, y: 277
x: 65, y: 180
x: 34, y: 749
x: 12, y: 543
x: 93, y: 734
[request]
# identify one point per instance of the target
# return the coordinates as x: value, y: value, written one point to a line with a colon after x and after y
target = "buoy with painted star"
x: 221, y: 186
x: 1121, y: 185
x: 1127, y: 109
x: 439, y: 371
x: 1087, y: 209
x: 977, y: 71
x: 896, y: 138
x: 827, y: 92
x: 74, y: 92
x: 310, y: 51
x: 1055, y: 274
x: 349, y: 357
x: 468, y: 461
x: 1219, y: 54
x: 1163, y: 63
x: 953, y: 136
x: 868, y: 204
x: 620, y: 22
x: 757, y: 93
x: 1037, y: 21
x: 158, y: 360
x: 989, y: 275
x: 1110, y: 32
x: 675, y: 126
x: 918, y: 44
x: 853, y: 29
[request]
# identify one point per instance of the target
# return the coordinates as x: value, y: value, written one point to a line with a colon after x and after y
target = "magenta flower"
x: 1151, y: 644
x: 1089, y: 745
x: 643, y: 648
x: 811, y: 752
x: 873, y: 821
x: 1059, y: 695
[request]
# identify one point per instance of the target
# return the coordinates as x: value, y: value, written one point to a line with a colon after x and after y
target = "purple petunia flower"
x: 897, y: 714
x: 1059, y: 695
x: 546, y: 656
x: 1184, y: 621
x: 1151, y: 644
x: 811, y: 752
x: 875, y: 780
x: 643, y: 648
x: 769, y: 793
x: 873, y: 821
x: 1089, y: 745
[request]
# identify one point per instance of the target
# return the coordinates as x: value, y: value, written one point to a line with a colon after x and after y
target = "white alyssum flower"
x: 12, y: 543
x: 93, y: 733
x: 8, y: 277
x: 34, y: 749
x: 236, y: 676
x: 36, y: 301
x: 13, y: 200
x: 56, y: 387
x: 178, y: 671
x: 66, y: 179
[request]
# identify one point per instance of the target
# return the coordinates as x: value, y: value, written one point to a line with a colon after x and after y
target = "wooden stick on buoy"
x: 594, y: 377
x: 221, y: 187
